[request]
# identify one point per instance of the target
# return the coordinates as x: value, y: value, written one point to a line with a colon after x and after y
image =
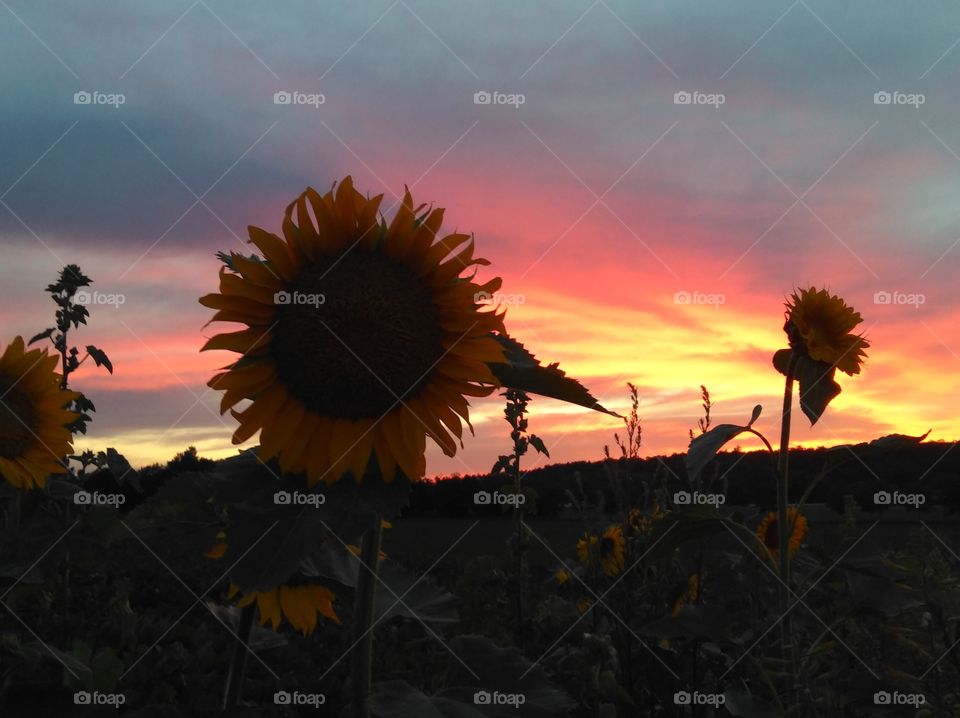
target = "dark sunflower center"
x: 18, y: 420
x: 358, y: 331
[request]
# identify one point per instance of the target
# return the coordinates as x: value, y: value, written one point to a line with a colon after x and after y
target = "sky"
x: 631, y: 156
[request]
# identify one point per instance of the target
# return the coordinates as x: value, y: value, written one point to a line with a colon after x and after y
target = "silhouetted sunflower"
x: 34, y: 437
x: 769, y: 533
x: 687, y: 596
x: 637, y: 522
x: 605, y: 551
x: 819, y: 326
x: 299, y: 604
x: 363, y: 338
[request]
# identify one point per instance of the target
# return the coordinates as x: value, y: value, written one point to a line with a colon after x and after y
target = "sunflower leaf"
x: 46, y: 334
x: 505, y: 669
x: 690, y: 523
x: 524, y: 371
x: 537, y: 443
x: 100, y: 357
x: 817, y: 387
x: 704, y: 448
x: 269, y: 535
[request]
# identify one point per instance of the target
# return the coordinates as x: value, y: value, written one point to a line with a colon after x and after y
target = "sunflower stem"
x: 361, y: 661
x: 783, y: 528
x: 238, y: 664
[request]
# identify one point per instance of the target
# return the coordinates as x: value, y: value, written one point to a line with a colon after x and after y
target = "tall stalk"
x: 783, y: 528
x: 361, y: 660
x: 238, y: 663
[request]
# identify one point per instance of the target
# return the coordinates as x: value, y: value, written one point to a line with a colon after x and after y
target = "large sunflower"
x: 605, y: 551
x: 299, y: 604
x: 34, y: 437
x: 769, y: 534
x: 820, y: 326
x: 362, y: 338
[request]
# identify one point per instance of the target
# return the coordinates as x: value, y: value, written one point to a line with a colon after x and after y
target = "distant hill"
x: 931, y: 469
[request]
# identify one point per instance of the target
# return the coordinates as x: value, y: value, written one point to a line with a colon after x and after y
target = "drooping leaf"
x: 121, y: 469
x: 100, y: 357
x: 817, y: 387
x: 524, y: 371
x: 537, y: 443
x: 42, y: 335
x: 419, y: 597
x: 703, y: 449
x: 399, y: 592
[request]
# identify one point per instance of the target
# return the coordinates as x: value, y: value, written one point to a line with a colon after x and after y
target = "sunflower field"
x: 303, y: 577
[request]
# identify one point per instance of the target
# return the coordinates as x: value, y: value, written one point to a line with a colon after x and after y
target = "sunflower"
x: 362, y: 338
x: 299, y: 604
x: 605, y: 551
x: 819, y: 325
x: 562, y: 575
x: 34, y: 437
x: 688, y: 595
x: 768, y: 531
x: 637, y: 522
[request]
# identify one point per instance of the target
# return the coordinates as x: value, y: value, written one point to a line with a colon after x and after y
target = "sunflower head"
x: 638, y: 522
x: 820, y: 325
x: 769, y: 532
x: 604, y: 551
x: 362, y: 339
x: 34, y: 433
x: 298, y: 603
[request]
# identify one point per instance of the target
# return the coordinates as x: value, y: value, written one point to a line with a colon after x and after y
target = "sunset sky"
x: 598, y: 199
